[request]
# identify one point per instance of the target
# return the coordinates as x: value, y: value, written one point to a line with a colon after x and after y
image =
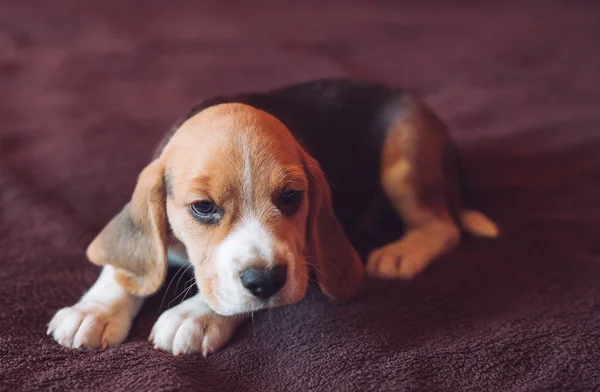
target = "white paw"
x: 89, y: 324
x: 192, y: 328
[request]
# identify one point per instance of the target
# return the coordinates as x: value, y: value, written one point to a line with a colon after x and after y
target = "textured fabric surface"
x: 88, y: 88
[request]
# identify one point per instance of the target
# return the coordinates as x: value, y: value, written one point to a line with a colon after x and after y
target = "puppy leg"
x: 100, y: 319
x: 417, y: 181
x: 193, y: 326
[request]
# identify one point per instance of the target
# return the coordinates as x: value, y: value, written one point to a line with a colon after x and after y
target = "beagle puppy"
x: 258, y: 192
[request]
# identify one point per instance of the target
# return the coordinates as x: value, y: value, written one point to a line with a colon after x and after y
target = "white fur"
x: 100, y: 319
x: 247, y: 188
x: 193, y: 327
x: 249, y: 244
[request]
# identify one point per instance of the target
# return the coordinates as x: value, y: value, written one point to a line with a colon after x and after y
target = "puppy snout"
x: 263, y: 282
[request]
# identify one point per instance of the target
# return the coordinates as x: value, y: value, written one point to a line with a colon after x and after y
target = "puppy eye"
x: 205, y: 211
x: 290, y: 198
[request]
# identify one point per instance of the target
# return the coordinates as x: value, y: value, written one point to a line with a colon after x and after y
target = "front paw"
x: 187, y: 329
x: 89, y: 325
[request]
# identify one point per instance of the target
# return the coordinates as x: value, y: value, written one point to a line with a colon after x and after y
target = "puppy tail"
x: 471, y: 220
x: 477, y: 224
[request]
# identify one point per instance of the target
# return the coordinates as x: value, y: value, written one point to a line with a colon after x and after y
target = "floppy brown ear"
x: 134, y: 241
x: 337, y: 265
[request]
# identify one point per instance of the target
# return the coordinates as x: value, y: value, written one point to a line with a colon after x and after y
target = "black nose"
x: 263, y: 282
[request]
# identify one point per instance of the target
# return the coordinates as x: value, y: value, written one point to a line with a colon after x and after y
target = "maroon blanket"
x: 87, y: 88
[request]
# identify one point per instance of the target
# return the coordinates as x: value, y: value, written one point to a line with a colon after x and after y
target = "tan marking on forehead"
x: 238, y: 133
x: 228, y: 130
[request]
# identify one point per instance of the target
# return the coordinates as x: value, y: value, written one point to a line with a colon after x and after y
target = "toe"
x: 189, y: 337
x: 66, y: 330
x: 89, y: 333
x: 216, y: 336
x: 373, y: 262
x: 389, y: 265
x: 164, y: 331
x: 115, y: 332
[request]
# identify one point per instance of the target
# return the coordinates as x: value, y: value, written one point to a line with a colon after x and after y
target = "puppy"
x: 241, y: 190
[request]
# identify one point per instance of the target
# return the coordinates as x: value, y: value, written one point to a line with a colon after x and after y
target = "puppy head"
x: 251, y: 207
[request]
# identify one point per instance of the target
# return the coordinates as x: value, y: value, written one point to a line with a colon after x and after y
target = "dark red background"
x: 87, y: 88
